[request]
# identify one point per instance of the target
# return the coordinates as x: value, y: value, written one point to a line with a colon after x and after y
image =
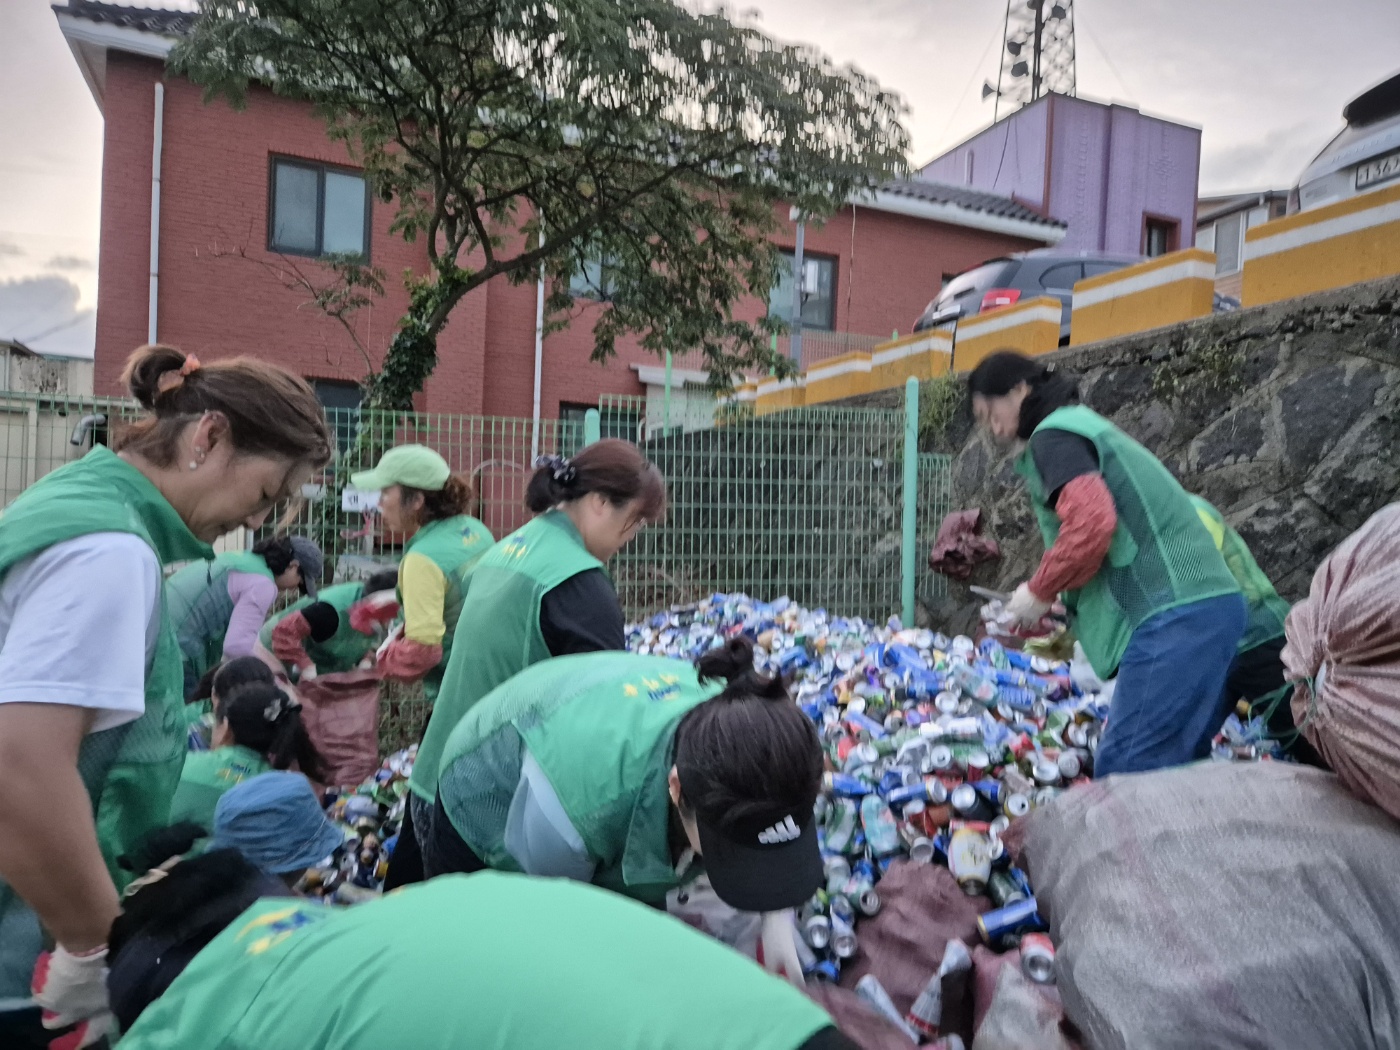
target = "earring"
x: 194, y: 465
x: 200, y: 453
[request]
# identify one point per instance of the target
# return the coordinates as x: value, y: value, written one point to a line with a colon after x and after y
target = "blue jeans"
x: 1170, y: 699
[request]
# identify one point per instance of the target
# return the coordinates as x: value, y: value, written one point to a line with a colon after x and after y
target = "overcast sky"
x: 1265, y: 79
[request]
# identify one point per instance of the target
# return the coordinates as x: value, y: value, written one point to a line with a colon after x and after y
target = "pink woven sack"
x: 1343, y: 654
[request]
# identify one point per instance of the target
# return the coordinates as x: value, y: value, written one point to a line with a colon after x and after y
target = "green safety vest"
x: 456, y: 546
x: 205, y: 778
x: 601, y: 727
x: 499, y: 626
x: 1161, y: 555
x: 343, y: 650
x: 200, y: 606
x: 130, y: 771
x: 486, y: 961
x: 1267, y: 611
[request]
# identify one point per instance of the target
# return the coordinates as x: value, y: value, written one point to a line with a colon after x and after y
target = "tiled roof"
x: 965, y: 197
x: 156, y: 20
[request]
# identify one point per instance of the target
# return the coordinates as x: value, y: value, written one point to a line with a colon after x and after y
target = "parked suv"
x: 1006, y: 281
x: 1364, y: 156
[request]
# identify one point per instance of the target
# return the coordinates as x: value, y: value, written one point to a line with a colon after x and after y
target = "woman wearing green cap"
x: 213, y: 954
x: 423, y: 501
x: 542, y: 591
x: 220, y: 606
x: 90, y: 670
x: 614, y: 768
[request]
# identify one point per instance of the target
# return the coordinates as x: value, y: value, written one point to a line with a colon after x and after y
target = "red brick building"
x: 244, y: 194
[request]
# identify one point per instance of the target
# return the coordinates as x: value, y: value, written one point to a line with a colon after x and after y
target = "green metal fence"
x: 805, y: 503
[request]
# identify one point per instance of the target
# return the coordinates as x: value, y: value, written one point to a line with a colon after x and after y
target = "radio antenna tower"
x: 1038, y: 53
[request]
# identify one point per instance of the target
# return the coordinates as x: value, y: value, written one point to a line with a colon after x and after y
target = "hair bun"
x: 144, y: 369
x: 730, y: 661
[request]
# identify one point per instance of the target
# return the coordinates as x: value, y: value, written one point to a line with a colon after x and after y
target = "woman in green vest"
x: 92, y: 737
x: 257, y: 728
x: 542, y: 591
x: 421, y: 500
x: 1149, y: 595
x: 219, y: 606
x: 335, y: 632
x: 216, y: 954
x: 1256, y: 675
x: 617, y: 769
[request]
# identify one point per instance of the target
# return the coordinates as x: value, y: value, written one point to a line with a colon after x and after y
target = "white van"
x: 1364, y: 156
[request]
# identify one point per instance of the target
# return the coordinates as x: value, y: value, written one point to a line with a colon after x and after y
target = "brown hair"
x: 614, y: 469
x: 270, y: 411
x: 457, y: 496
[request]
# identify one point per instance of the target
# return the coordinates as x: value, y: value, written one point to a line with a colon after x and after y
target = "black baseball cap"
x: 765, y: 862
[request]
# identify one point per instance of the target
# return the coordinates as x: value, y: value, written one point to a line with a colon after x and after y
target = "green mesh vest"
x: 1161, y: 555
x: 130, y: 771
x: 466, y: 961
x: 200, y: 606
x: 498, y: 632
x: 601, y: 726
x: 454, y: 545
x: 1267, y: 611
x: 343, y: 650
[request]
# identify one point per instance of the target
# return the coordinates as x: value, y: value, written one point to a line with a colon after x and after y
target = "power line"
x: 976, y: 71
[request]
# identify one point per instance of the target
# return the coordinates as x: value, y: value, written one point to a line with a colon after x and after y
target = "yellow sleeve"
x: 424, y: 594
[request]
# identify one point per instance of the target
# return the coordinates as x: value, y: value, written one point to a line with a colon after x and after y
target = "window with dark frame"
x: 593, y: 280
x: 818, y: 291
x: 341, y: 400
x: 317, y: 209
x: 1159, y: 236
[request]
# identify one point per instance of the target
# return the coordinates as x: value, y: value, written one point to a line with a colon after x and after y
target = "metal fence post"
x: 911, y: 499
x: 592, y: 427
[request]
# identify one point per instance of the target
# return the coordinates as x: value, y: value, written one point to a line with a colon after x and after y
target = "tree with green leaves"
x: 526, y: 138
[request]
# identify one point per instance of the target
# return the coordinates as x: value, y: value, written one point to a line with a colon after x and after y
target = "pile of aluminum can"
x: 369, y: 817
x: 933, y: 746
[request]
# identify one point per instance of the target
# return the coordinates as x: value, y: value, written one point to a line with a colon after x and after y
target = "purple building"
x: 1124, y: 182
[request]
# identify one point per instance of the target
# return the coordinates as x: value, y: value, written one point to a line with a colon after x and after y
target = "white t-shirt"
x: 79, y: 622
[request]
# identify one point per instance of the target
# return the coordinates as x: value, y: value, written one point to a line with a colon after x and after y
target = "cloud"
x: 9, y: 248
x: 69, y: 262
x: 43, y: 313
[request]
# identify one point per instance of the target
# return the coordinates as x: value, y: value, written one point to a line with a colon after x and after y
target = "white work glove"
x: 394, y: 636
x: 1024, y: 608
x: 307, y: 674
x: 778, y: 937
x: 72, y: 990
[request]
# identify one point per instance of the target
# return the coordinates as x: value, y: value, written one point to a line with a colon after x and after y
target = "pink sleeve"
x: 253, y: 597
x: 1087, y: 520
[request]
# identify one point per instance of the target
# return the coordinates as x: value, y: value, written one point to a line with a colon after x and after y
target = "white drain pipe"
x: 157, y: 137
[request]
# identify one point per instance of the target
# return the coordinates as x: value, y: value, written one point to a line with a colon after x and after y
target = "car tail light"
x: 996, y: 298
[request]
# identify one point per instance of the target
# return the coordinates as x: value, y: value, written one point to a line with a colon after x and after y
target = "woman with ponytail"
x: 618, y: 769
x: 92, y: 733
x: 542, y: 591
x: 257, y: 728
x: 1148, y: 593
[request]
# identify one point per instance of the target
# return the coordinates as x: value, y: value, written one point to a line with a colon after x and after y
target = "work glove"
x: 307, y: 673
x: 1024, y: 609
x: 394, y: 636
x: 72, y: 990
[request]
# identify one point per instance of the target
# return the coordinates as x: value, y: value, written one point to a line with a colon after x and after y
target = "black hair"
x: 614, y: 469
x: 277, y: 551
x: 1001, y: 372
x: 165, y: 924
x: 225, y: 677
x: 749, y: 748
x: 161, y: 845
x: 384, y: 580
x: 264, y: 719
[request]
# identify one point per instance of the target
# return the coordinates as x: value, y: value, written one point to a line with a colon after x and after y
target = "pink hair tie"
x: 175, y: 379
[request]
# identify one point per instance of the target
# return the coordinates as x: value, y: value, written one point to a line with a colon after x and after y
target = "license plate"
x: 1382, y: 169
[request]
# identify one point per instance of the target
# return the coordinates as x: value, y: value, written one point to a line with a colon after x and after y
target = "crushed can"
x: 843, y: 936
x: 969, y: 860
x: 926, y: 1013
x: 841, y: 826
x: 873, y: 992
x: 1019, y: 917
x: 1003, y: 889
x: 1038, y: 958
x: 881, y: 830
